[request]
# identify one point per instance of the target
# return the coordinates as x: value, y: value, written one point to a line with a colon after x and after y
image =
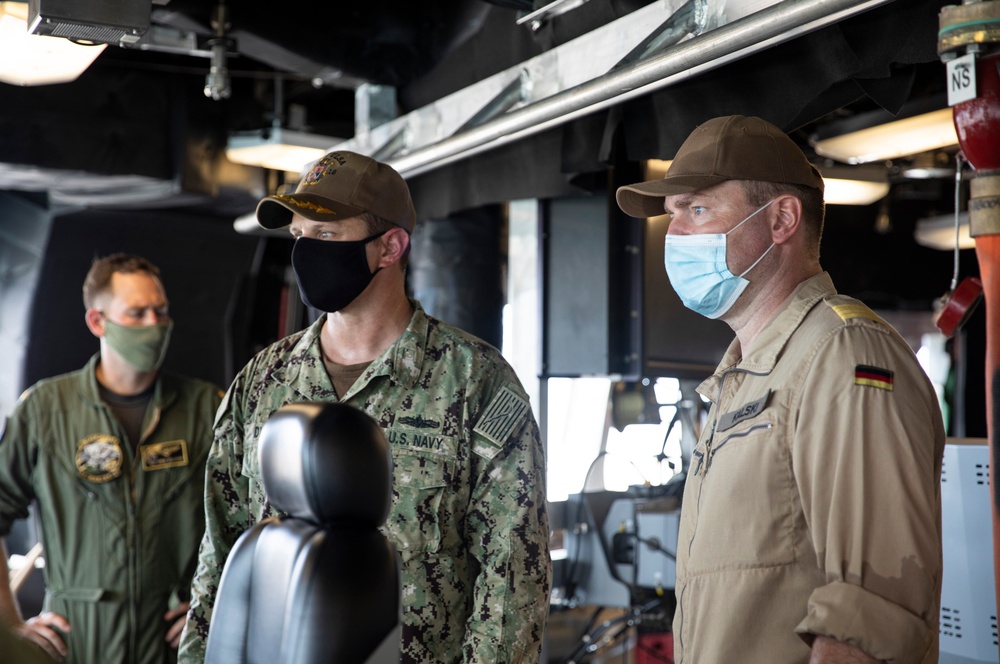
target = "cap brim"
x: 645, y: 199
x: 277, y: 211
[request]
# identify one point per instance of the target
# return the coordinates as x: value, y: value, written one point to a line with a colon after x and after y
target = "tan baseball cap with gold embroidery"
x: 341, y: 185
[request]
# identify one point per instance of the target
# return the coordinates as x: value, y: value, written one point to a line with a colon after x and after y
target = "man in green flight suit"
x: 114, y: 454
x: 468, y: 514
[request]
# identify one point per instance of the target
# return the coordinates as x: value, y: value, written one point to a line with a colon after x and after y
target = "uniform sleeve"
x: 210, y: 399
x: 507, y: 530
x: 867, y: 460
x: 226, y: 517
x: 18, y: 452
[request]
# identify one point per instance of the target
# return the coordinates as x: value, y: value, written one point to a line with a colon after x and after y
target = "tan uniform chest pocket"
x: 746, y: 502
x: 419, y: 514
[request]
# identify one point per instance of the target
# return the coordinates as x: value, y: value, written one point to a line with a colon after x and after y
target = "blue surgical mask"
x: 696, y: 266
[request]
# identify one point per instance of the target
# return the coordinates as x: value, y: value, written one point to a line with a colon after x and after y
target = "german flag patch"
x: 873, y: 377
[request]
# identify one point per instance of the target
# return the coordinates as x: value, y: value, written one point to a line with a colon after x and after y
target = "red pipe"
x: 977, y: 123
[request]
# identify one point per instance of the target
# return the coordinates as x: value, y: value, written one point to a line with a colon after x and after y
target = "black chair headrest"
x: 326, y: 463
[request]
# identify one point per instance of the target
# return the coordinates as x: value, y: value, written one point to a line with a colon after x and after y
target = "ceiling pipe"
x: 757, y: 32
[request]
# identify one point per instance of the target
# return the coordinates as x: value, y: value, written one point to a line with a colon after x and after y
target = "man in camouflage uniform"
x: 468, y: 511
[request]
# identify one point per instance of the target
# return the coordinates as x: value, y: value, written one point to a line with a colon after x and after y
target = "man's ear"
x: 95, y: 322
x: 786, y: 219
x: 394, y: 243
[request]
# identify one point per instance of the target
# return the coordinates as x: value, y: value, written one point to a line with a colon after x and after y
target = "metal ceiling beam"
x: 711, y: 49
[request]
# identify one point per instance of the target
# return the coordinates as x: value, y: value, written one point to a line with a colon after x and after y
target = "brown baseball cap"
x: 733, y: 147
x: 340, y: 185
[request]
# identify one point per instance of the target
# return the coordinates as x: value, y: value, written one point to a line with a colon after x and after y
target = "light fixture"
x: 853, y: 185
x: 27, y: 59
x: 278, y: 149
x: 939, y: 232
x: 656, y: 168
x: 899, y: 138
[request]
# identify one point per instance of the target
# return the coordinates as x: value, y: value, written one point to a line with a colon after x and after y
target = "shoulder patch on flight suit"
x: 99, y: 458
x: 873, y: 377
x: 502, y: 416
x: 169, y: 454
x: 849, y: 311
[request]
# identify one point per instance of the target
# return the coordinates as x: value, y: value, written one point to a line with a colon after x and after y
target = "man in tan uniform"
x: 810, y: 529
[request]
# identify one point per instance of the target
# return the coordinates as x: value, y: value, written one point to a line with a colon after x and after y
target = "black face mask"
x: 331, y: 274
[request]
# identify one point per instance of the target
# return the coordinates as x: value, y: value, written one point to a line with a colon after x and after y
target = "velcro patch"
x: 849, y: 311
x: 169, y: 454
x: 744, y: 412
x: 99, y: 458
x: 502, y: 416
x: 873, y: 377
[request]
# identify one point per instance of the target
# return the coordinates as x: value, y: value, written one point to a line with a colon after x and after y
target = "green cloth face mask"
x: 142, y: 347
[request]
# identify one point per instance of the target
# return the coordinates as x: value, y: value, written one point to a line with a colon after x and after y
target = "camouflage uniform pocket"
x: 417, y: 517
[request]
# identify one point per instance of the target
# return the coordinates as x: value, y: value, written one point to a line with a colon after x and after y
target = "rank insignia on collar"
x: 873, y: 377
x: 99, y: 458
x: 169, y: 454
x: 419, y: 422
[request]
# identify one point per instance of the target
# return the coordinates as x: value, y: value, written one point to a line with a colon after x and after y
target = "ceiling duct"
x: 753, y: 33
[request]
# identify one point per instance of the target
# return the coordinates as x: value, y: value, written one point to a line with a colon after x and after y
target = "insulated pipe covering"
x: 757, y: 32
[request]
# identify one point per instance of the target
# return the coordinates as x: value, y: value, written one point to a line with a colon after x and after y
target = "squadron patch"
x: 502, y: 416
x: 873, y: 377
x: 99, y: 458
x: 169, y: 454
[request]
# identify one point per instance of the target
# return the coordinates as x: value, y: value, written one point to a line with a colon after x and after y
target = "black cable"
x: 670, y: 427
x: 587, y: 640
x: 655, y: 545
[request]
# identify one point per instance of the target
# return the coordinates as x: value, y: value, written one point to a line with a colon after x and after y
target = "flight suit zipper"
x: 132, y: 529
x: 134, y: 539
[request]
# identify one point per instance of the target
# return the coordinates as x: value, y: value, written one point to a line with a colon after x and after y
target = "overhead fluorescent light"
x: 853, y: 192
x: 656, y: 168
x: 27, y: 59
x: 939, y: 232
x: 853, y: 185
x: 278, y: 149
x: 913, y: 135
